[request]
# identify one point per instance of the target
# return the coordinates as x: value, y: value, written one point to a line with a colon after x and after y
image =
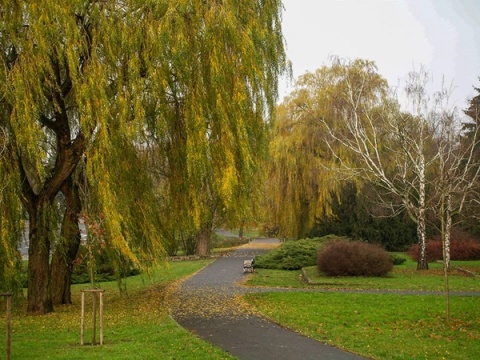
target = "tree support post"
x: 96, y: 294
x: 9, y: 323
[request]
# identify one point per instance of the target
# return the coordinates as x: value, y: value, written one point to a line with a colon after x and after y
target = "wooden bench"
x: 248, y: 266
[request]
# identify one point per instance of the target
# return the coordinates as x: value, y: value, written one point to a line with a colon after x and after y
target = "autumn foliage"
x: 462, y: 247
x: 356, y: 258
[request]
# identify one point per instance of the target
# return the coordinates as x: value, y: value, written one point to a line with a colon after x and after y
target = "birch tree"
x: 457, y: 173
x: 415, y: 158
x: 391, y: 148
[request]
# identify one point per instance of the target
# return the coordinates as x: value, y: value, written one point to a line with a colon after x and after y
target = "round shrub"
x: 356, y: 258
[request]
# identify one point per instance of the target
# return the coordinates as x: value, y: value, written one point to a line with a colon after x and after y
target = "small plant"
x: 397, y: 259
x: 356, y: 258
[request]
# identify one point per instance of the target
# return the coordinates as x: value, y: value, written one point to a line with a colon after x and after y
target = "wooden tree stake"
x: 96, y: 293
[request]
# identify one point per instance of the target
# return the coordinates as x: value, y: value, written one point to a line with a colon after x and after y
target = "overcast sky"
x: 399, y: 35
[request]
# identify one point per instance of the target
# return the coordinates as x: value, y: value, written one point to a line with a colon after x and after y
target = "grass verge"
x: 137, y: 325
x: 380, y: 326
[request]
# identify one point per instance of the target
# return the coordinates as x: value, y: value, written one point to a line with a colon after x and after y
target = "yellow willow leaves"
x: 229, y: 182
x: 5, y: 247
x: 199, y: 77
x: 220, y: 80
x: 302, y: 165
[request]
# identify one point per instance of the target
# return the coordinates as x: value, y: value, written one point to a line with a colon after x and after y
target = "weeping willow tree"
x: 215, y: 95
x: 301, y: 161
x: 296, y: 179
x: 96, y: 83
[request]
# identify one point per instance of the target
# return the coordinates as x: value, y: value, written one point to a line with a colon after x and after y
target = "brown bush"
x: 344, y: 258
x: 463, y: 246
x: 459, y: 250
x: 269, y: 230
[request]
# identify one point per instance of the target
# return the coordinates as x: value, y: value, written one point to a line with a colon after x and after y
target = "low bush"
x: 292, y: 255
x: 397, y: 259
x: 269, y: 230
x: 463, y: 246
x: 356, y: 258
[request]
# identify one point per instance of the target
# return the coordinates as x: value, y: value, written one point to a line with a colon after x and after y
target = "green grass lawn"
x: 403, y: 277
x: 383, y: 326
x: 137, y: 325
x: 379, y: 326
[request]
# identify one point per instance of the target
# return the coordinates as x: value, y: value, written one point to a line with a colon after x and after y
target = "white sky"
x: 399, y: 35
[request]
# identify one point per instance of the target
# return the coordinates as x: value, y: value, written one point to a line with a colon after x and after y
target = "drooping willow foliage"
x: 101, y: 83
x: 302, y: 167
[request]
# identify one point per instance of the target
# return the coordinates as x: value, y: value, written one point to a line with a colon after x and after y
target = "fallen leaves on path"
x: 205, y: 302
x: 185, y: 301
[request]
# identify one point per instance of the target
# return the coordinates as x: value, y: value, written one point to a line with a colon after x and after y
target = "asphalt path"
x: 209, y: 305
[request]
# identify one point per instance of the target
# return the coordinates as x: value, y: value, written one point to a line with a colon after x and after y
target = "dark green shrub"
x: 343, y: 258
x: 351, y: 216
x: 397, y: 259
x: 292, y: 255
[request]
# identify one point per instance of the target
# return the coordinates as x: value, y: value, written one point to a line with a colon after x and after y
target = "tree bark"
x: 203, y: 241
x: 241, y: 229
x: 39, y: 204
x: 421, y: 226
x: 39, y: 299
x: 422, y: 263
x: 66, y: 252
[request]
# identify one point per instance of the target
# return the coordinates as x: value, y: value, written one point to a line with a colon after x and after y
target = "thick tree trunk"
x: 203, y: 241
x: 66, y: 252
x: 39, y: 292
x: 38, y: 202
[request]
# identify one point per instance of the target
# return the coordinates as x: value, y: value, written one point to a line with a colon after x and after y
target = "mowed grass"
x: 403, y: 277
x: 379, y: 326
x: 383, y: 326
x: 137, y: 324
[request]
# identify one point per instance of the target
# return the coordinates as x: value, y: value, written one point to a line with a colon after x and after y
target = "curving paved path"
x: 208, y: 305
